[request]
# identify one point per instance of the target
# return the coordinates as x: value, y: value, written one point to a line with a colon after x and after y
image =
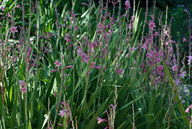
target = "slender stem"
x: 189, y: 47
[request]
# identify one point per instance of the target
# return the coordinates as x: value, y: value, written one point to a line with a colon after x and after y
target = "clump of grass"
x: 93, y: 69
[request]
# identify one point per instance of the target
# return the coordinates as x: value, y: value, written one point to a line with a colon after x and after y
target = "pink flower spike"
x: 57, y: 63
x: 186, y: 11
x: 79, y: 51
x: 100, y: 120
x: 120, y: 71
x: 183, y: 74
x: 145, y: 46
x: 159, y: 68
x: 24, y: 89
x: 60, y: 124
x: 64, y: 103
x: 62, y: 113
x: 113, y: 106
x: 18, y: 6
x: 97, y: 67
x: 14, y: 29
x: 151, y: 25
x: 184, y: 39
x: 174, y: 67
x: 127, y: 4
x: 21, y: 83
x: 55, y: 70
x: 187, y: 110
x: 70, y: 66
x: 84, y: 4
x: 189, y: 60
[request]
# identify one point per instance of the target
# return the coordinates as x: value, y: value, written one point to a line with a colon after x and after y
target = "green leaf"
x: 180, y: 105
x: 29, y: 125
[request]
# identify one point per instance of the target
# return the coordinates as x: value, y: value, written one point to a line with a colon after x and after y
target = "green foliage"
x: 74, y: 86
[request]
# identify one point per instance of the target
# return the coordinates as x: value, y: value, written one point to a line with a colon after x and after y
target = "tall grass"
x: 79, y: 65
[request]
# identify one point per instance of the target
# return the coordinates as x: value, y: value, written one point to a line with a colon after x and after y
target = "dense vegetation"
x: 81, y: 64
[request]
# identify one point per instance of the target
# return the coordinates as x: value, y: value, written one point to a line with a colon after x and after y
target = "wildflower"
x: 99, y: 120
x: 184, y: 39
x: 21, y: 83
x: 57, y: 63
x: 79, y: 51
x: 166, y: 33
x: 14, y: 29
x: 67, y: 37
x: 187, y: 110
x: 159, y: 68
x: 2, y: 8
x: 177, y: 81
x: 183, y: 74
x: 158, y: 60
x: 85, y: 4
x: 174, y: 67
x: 70, y: 66
x: 24, y: 89
x: 55, y: 70
x: 70, y: 28
x: 62, y: 113
x: 151, y: 25
x: 186, y: 11
x: 119, y: 71
x: 145, y: 46
x: 64, y: 103
x: 189, y: 60
x: 84, y: 58
x: 150, y: 55
x: 60, y: 124
x: 127, y: 4
x: 18, y: 6
x: 93, y: 66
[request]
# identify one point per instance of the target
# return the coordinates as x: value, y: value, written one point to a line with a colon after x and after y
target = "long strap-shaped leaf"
x: 180, y: 106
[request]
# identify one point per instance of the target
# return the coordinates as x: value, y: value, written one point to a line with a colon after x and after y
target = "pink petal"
x: 100, y: 120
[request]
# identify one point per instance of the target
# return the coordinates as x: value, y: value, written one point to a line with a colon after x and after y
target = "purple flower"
x: 120, y: 71
x: 79, y: 51
x: 184, y: 39
x: 62, y: 113
x: 70, y: 66
x: 67, y: 37
x: 174, y: 67
x: 21, y: 83
x: 151, y: 25
x: 150, y: 55
x: 64, y: 103
x: 127, y: 4
x: 18, y: 6
x: 85, y: 4
x: 183, y: 74
x: 24, y: 89
x: 57, y: 63
x: 99, y: 120
x: 14, y: 29
x: 145, y: 46
x: 60, y: 124
x: 55, y: 70
x: 187, y: 110
x: 189, y: 60
x: 84, y: 58
x: 186, y: 11
x: 93, y: 66
x: 159, y: 68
